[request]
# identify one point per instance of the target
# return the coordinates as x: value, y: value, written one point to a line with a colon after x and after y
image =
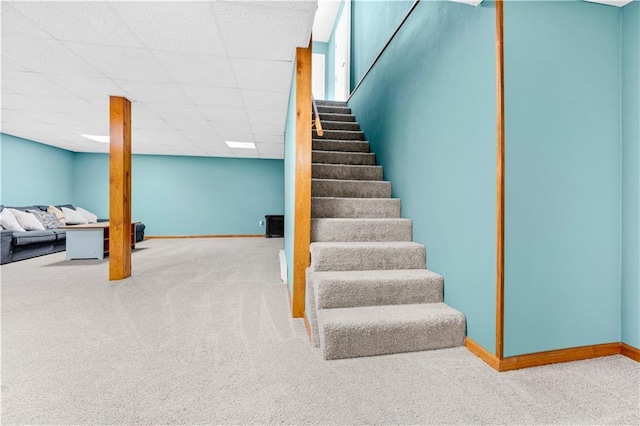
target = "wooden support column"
x: 302, y: 226
x: 119, y: 188
x: 500, y: 146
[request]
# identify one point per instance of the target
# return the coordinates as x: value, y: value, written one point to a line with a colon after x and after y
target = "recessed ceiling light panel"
x: 243, y: 145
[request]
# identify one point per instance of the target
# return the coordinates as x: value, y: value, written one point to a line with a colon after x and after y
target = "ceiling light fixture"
x: 243, y: 145
x: 101, y: 139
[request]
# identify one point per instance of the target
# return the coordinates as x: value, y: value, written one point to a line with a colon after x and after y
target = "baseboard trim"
x: 630, y: 352
x: 559, y: 355
x: 551, y: 357
x: 482, y: 353
x: 307, y: 325
x: 159, y: 237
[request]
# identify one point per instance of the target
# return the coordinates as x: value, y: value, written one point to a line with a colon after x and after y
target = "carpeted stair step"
x: 323, y: 109
x: 340, y: 125
x: 348, y: 289
x: 379, y: 330
x: 339, y: 146
x: 357, y: 229
x: 365, y: 256
x: 345, y: 135
x: 324, y: 102
x: 355, y: 207
x: 346, y: 172
x: 337, y: 157
x: 350, y: 188
x: 336, y: 117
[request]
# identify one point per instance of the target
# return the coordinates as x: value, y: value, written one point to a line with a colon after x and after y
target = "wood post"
x: 302, y: 226
x: 119, y: 188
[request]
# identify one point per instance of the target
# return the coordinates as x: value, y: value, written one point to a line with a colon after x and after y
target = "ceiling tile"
x: 235, y: 137
x: 188, y: 68
x: 11, y: 65
x: 48, y: 56
x: 276, y: 118
x: 155, y: 92
x: 269, y: 147
x: 214, y: 96
x: 232, y: 115
x: 149, y: 123
x: 209, y: 138
x: 272, y: 155
x: 29, y: 83
x: 245, y: 153
x: 263, y: 75
x: 15, y: 117
x: 252, y: 31
x: 58, y: 119
x: 16, y: 25
x: 240, y: 128
x: 121, y: 62
x: 173, y: 111
x: 161, y: 25
x: 275, y: 101
x: 67, y: 105
x: 269, y: 138
x: 88, y: 22
x: 267, y: 129
x: 190, y: 125
x: 86, y: 87
x: 17, y: 102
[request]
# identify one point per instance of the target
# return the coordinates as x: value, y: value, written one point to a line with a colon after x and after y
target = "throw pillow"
x: 48, y: 220
x: 91, y: 218
x: 27, y: 220
x: 56, y: 211
x: 9, y: 221
x: 73, y: 217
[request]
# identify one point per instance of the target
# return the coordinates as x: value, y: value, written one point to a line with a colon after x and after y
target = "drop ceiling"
x: 198, y: 73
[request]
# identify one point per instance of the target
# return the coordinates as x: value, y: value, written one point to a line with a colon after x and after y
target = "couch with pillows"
x: 31, y: 231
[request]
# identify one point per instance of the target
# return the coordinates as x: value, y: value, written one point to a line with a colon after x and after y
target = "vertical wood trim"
x: 302, y: 225
x: 500, y: 147
x: 119, y: 188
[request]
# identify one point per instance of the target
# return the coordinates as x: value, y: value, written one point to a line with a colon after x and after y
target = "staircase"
x: 368, y: 292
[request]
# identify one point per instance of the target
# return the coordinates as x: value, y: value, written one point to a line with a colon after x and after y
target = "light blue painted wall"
x: 562, y: 94
x: 34, y: 173
x: 330, y: 62
x: 631, y: 174
x: 319, y: 47
x: 376, y: 21
x: 176, y: 195
x: 290, y: 180
x: 428, y: 109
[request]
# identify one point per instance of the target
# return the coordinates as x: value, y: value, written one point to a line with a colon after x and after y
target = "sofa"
x: 16, y: 246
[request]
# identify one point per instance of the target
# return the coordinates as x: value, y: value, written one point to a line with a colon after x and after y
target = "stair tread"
x: 391, y: 274
x: 346, y: 165
x: 388, y: 315
x: 359, y: 182
x: 338, y: 141
x: 341, y: 153
x: 366, y: 244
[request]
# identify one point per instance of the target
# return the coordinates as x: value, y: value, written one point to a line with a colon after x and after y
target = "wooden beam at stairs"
x: 119, y: 188
x: 500, y: 179
x: 302, y: 226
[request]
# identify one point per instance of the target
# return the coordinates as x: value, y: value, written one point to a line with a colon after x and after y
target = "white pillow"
x: 91, y: 218
x: 9, y: 221
x: 73, y: 217
x: 28, y: 221
x: 58, y: 213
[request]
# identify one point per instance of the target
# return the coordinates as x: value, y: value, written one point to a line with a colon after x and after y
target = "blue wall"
x: 562, y: 260
x: 34, y: 173
x: 330, y: 61
x: 631, y: 174
x: 188, y: 195
x: 431, y: 122
x: 290, y: 180
x: 373, y: 22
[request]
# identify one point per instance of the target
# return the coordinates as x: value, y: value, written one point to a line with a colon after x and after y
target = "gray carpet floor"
x: 201, y: 334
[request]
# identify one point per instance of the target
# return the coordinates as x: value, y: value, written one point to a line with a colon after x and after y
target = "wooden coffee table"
x: 91, y: 241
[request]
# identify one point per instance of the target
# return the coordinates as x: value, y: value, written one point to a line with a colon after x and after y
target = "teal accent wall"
x: 631, y: 174
x: 563, y: 192
x: 373, y: 22
x: 319, y: 47
x: 428, y: 109
x: 290, y: 180
x: 330, y: 61
x: 34, y: 173
x: 179, y: 195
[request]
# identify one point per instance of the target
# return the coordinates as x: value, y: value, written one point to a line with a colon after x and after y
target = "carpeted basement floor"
x: 201, y: 334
